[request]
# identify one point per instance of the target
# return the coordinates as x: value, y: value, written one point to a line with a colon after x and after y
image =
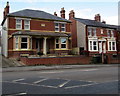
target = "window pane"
x: 63, y: 40
x: 63, y: 45
x: 57, y: 45
x: 63, y: 25
x: 23, y: 45
x: 57, y: 40
x: 94, y: 43
x: 89, y: 32
x: 18, y: 21
x: 56, y: 24
x: 113, y: 45
x: 109, y: 45
x: 23, y: 39
x: 26, y: 21
x: 56, y: 29
x: 62, y: 29
x: 94, y: 48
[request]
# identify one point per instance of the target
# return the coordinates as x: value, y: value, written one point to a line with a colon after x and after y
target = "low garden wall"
x: 56, y: 60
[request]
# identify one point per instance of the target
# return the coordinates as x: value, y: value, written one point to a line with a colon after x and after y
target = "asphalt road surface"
x: 99, y: 80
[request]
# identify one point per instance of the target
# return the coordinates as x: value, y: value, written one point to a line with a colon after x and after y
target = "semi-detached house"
x: 32, y: 31
x: 94, y: 37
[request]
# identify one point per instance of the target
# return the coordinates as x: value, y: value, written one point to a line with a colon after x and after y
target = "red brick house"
x: 32, y: 31
x: 93, y: 36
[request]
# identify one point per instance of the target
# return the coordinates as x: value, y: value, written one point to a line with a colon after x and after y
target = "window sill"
x: 62, y: 49
x: 22, y: 50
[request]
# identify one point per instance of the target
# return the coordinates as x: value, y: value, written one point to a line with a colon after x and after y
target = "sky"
x: 108, y: 9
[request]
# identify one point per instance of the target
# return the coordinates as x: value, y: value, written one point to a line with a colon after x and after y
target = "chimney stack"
x: 55, y: 13
x: 71, y: 14
x: 62, y: 12
x: 97, y: 17
x: 6, y: 9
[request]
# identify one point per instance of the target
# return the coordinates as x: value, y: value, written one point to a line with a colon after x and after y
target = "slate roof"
x: 37, y: 14
x: 94, y: 23
x: 48, y: 34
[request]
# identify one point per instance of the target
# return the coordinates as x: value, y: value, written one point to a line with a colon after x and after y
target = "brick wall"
x: 56, y: 60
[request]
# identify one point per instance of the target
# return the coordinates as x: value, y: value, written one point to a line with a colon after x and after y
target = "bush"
x: 40, y: 53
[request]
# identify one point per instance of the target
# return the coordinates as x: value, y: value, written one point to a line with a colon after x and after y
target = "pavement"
x: 53, y: 67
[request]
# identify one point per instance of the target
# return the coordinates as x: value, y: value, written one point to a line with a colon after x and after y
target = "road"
x: 99, y: 80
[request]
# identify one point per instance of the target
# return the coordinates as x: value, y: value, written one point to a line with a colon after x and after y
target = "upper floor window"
x: 57, y: 27
x: 89, y: 31
x: 94, y: 32
x: 110, y: 33
x: 27, y: 24
x: 63, y: 27
x: 102, y: 31
x: 18, y: 24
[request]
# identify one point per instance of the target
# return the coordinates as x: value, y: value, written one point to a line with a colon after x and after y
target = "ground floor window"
x: 111, y: 45
x: 61, y: 43
x: 23, y: 42
x: 93, y: 45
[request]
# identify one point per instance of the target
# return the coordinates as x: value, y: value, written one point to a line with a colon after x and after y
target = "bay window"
x: 23, y: 43
x: 61, y: 43
x: 93, y: 45
x: 111, y: 45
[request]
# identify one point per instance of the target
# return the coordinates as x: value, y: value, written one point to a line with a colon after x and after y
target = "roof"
x: 37, y: 14
x: 48, y: 34
x: 94, y: 23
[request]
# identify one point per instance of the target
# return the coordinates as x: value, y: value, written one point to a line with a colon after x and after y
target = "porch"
x: 41, y: 43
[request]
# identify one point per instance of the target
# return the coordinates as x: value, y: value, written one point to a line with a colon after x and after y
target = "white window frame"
x: 110, y: 46
x: 57, y: 27
x: 91, y: 47
x: 16, y: 42
x: 94, y: 31
x: 19, y: 24
x: 57, y: 43
x: 60, y: 43
x: 29, y: 42
x: 89, y: 31
x: 63, y: 27
x: 27, y: 24
x: 102, y: 31
x: 63, y: 43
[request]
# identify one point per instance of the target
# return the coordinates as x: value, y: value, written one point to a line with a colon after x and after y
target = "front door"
x: 38, y: 45
x: 104, y: 47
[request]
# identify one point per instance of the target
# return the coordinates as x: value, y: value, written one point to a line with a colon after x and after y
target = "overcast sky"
x: 108, y: 9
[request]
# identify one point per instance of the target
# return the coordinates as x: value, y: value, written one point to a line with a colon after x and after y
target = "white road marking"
x: 52, y: 72
x: 90, y: 70
x: 61, y: 85
x: 80, y: 86
x: 39, y: 81
x: 18, y: 80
